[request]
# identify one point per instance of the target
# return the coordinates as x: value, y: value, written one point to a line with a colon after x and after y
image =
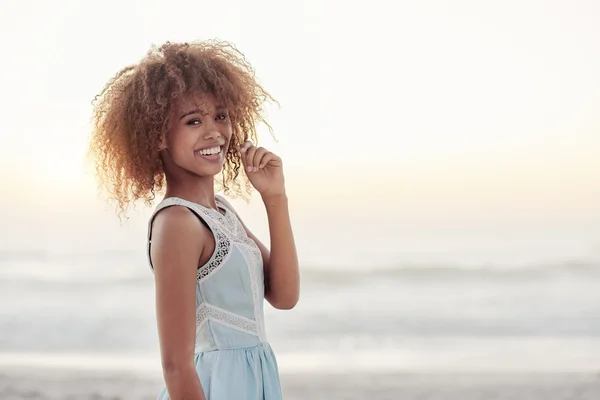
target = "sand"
x: 73, y: 385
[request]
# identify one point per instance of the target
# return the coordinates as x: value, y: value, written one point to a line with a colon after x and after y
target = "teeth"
x: 208, y: 152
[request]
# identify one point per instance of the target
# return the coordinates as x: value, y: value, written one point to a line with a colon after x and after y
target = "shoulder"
x: 175, y: 219
x: 177, y: 229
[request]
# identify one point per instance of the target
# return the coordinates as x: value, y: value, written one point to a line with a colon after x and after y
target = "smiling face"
x: 199, y: 137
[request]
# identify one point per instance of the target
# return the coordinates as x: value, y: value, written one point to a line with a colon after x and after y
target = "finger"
x: 258, y: 156
x: 245, y: 146
x: 249, y: 156
x: 265, y: 160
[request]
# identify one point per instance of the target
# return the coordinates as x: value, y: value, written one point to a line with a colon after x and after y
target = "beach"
x: 74, y: 385
x: 406, y: 333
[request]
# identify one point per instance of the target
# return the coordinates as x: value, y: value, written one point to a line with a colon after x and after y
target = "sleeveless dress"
x: 232, y: 356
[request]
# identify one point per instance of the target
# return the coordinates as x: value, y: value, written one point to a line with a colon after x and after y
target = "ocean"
x: 95, y: 310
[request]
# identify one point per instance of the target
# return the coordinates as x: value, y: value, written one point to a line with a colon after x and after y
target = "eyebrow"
x: 194, y: 111
x: 198, y: 111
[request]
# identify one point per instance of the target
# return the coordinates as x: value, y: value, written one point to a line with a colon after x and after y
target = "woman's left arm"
x: 282, y: 276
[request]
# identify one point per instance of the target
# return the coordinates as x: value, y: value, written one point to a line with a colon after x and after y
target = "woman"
x: 179, y: 121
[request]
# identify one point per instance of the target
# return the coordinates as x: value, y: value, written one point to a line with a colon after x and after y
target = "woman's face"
x: 199, y: 137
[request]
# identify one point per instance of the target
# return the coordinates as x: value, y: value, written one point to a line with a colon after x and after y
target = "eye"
x: 222, y: 116
x: 194, y: 121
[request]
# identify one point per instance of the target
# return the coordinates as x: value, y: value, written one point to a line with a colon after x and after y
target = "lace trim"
x: 207, y: 312
x: 222, y: 251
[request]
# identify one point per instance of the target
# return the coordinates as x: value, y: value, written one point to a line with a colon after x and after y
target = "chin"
x: 209, y: 171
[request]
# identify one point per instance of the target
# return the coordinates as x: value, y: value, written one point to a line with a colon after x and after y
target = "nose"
x: 212, y: 132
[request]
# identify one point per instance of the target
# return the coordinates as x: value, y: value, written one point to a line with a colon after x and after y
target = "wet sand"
x: 62, y: 384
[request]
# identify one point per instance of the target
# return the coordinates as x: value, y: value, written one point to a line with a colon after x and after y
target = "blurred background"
x: 442, y: 161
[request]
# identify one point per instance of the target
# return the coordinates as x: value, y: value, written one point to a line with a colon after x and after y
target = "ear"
x: 162, y: 145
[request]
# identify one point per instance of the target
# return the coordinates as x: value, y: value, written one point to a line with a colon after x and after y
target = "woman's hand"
x: 264, y: 170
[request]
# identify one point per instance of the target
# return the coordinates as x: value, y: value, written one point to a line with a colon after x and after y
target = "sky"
x: 433, y: 116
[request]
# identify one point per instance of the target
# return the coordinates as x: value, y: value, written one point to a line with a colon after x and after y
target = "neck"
x: 199, y: 190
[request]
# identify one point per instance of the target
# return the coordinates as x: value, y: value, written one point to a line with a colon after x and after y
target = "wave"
x: 43, y: 255
x: 127, y: 269
x: 452, y: 270
x: 101, y: 267
x: 441, y: 355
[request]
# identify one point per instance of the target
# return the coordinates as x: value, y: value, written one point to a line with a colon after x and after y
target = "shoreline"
x: 445, y: 355
x: 420, y: 369
x: 61, y: 384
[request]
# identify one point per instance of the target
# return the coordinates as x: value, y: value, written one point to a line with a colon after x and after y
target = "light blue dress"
x: 233, y: 358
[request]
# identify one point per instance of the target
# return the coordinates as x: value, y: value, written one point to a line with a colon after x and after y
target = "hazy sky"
x: 430, y: 110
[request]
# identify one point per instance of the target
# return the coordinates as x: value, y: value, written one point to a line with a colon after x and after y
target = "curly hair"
x: 133, y: 112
